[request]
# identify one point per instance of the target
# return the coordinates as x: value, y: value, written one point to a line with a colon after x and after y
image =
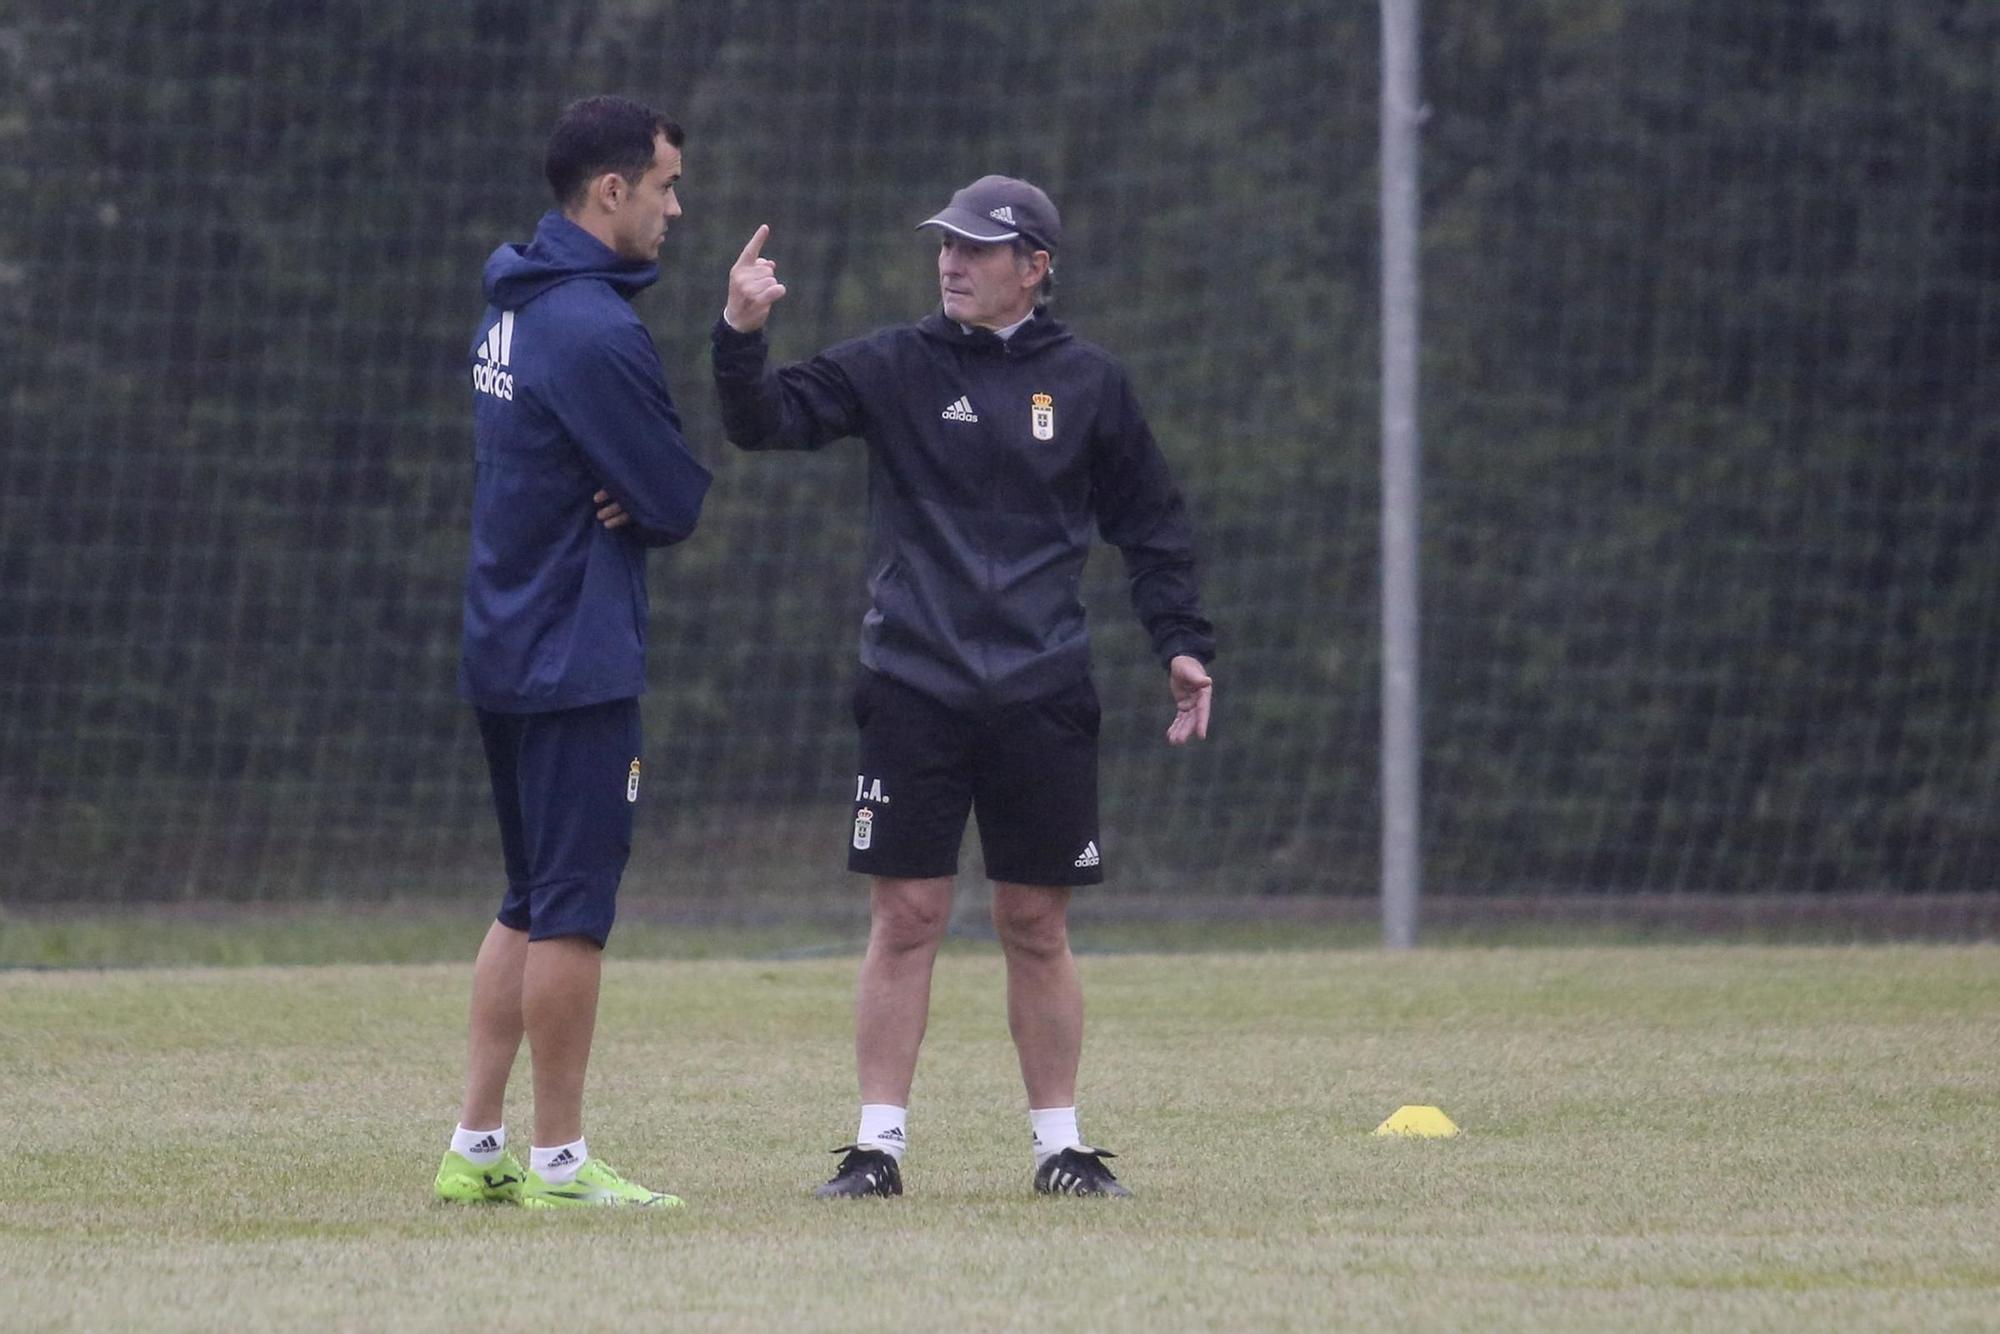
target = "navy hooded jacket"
x: 992, y: 465
x: 568, y: 398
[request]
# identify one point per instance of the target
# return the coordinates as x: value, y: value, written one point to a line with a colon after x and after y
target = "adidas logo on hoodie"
x: 489, y: 363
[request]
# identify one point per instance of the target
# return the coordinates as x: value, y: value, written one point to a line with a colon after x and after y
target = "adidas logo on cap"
x: 1005, y: 213
x: 960, y: 411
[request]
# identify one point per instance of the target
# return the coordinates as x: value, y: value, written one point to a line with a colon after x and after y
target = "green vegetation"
x: 440, y: 931
x: 1712, y: 442
x: 1671, y: 1138
x: 386, y: 934
x: 213, y: 935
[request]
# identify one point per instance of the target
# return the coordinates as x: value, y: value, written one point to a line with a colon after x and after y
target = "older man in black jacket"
x: 997, y: 443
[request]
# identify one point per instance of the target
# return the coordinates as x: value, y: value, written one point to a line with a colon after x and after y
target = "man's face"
x: 648, y: 204
x: 987, y: 285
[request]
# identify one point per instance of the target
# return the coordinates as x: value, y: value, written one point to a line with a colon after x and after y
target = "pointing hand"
x: 753, y: 286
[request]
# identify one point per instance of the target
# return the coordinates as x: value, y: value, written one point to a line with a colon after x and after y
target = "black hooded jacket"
x: 990, y: 463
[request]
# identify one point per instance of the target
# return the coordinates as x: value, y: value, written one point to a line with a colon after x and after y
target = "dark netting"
x: 1712, y: 301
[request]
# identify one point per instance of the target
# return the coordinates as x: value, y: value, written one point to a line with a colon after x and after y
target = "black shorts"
x: 1027, y: 771
x: 564, y: 784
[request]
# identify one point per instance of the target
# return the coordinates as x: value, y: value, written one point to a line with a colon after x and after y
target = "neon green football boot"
x: 596, y: 1183
x: 462, y: 1181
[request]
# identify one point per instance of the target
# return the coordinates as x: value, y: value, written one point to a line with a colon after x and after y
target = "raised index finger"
x: 756, y: 246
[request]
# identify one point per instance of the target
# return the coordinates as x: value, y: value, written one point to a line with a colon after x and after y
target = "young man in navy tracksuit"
x: 580, y: 467
x: 998, y: 444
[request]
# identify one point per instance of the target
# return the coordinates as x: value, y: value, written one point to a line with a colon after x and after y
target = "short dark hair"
x: 599, y: 135
x: 1045, y: 291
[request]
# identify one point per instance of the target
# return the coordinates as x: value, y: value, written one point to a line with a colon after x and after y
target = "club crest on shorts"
x: 1042, y: 416
x: 632, y: 781
x: 864, y: 829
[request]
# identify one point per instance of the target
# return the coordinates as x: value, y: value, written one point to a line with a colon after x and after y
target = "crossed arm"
x: 610, y: 513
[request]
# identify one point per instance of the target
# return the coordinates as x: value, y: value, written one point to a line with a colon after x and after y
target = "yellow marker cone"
x: 1421, y: 1122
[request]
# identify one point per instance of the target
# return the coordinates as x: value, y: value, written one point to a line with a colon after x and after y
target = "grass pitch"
x: 1686, y: 1138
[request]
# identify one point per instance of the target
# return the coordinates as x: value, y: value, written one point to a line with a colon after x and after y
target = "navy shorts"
x: 1027, y: 772
x: 564, y: 784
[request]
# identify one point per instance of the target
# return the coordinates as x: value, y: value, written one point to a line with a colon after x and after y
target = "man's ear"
x: 608, y: 190
x: 1039, y: 265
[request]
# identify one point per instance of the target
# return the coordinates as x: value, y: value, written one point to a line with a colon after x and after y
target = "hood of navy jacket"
x: 561, y: 252
x: 568, y: 399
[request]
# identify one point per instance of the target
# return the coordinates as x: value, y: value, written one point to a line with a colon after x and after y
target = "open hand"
x: 753, y: 286
x: 1191, y: 688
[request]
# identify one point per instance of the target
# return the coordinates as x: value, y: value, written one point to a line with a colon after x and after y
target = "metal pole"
x: 1402, y: 113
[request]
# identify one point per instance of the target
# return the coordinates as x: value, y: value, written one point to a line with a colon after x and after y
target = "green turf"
x: 255, y: 935
x: 1705, y: 1138
x: 432, y: 933
x: 243, y: 935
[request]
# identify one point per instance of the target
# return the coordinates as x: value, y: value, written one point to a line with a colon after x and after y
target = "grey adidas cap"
x: 1000, y: 208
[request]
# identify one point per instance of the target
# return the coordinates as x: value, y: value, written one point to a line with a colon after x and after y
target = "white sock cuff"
x: 558, y: 1162
x: 884, y: 1126
x: 1054, y: 1130
x: 481, y: 1148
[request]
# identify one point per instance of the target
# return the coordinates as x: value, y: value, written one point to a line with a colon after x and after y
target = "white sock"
x: 481, y: 1148
x: 884, y: 1126
x: 1054, y: 1129
x: 558, y: 1164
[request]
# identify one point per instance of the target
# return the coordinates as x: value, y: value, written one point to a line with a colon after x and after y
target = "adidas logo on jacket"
x: 568, y: 397
x: 978, y: 538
